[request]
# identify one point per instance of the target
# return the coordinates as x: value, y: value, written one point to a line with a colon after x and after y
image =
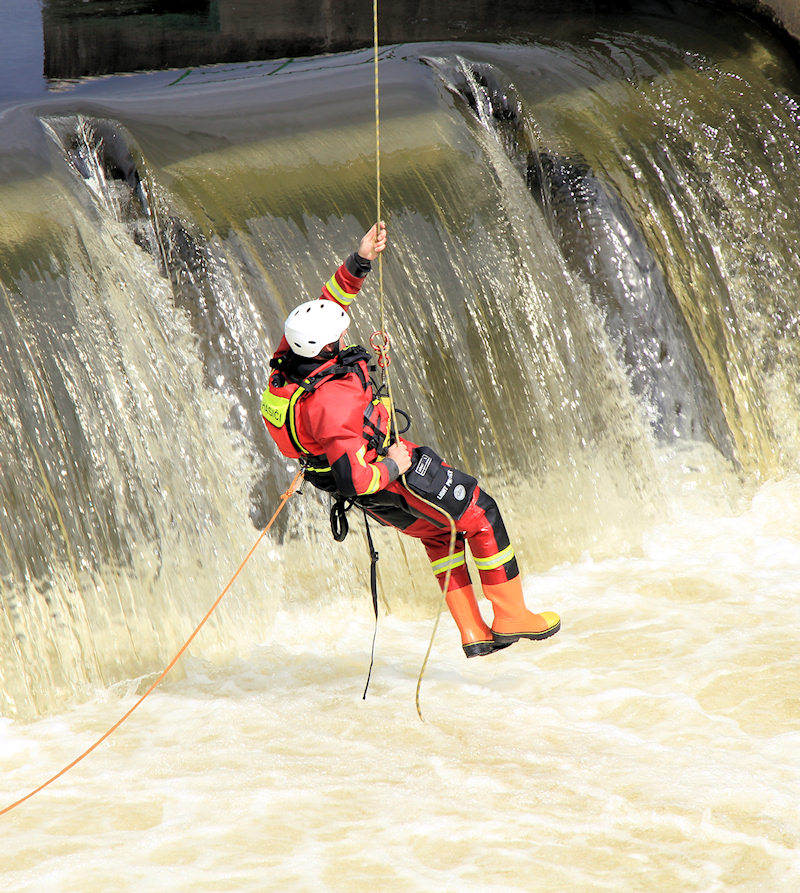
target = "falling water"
x: 592, y: 295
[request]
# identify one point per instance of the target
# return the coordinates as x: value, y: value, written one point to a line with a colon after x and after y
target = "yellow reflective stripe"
x: 450, y: 562
x: 342, y: 296
x: 494, y: 561
x: 318, y: 470
x: 290, y: 418
x: 375, y: 483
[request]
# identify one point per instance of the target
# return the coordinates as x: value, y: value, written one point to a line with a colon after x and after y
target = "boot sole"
x: 504, y: 639
x: 480, y: 649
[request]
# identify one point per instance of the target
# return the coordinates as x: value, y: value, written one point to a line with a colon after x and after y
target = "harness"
x: 288, y: 386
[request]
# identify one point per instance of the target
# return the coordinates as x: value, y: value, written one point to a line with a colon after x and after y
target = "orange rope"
x: 284, y: 500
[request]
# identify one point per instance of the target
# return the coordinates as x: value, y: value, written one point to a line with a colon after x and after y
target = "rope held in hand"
x: 162, y: 675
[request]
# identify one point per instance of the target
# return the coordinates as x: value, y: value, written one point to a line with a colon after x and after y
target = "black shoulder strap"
x: 349, y: 361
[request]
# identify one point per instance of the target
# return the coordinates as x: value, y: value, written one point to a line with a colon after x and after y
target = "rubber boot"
x: 512, y: 620
x: 476, y: 637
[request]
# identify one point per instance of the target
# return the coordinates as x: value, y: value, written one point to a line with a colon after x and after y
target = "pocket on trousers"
x: 448, y: 488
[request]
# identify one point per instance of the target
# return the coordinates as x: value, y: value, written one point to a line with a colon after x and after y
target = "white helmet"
x: 314, y: 324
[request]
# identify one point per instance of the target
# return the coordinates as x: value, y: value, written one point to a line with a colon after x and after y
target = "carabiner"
x: 381, y: 348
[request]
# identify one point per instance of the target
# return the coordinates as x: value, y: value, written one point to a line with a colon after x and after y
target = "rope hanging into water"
x: 284, y: 499
x: 383, y: 352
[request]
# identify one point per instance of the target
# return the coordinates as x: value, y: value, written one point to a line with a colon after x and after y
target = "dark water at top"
x: 47, y: 44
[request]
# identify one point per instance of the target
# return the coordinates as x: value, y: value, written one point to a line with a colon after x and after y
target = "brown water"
x: 157, y: 229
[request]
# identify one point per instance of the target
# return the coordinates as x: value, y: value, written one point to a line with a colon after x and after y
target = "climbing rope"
x: 284, y: 499
x: 382, y: 349
x: 378, y: 152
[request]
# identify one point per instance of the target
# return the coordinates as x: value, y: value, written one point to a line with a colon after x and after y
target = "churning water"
x: 593, y: 293
x: 652, y: 746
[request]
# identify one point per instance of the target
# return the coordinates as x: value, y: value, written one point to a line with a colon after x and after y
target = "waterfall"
x: 591, y: 283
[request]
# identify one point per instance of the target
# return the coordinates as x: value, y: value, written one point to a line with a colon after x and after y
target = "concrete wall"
x: 90, y: 37
x: 786, y: 13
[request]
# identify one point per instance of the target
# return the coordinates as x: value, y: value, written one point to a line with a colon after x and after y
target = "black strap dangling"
x: 373, y: 585
x: 339, y: 524
x: 340, y: 527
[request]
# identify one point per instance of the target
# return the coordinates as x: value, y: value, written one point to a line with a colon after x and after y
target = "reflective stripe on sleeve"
x: 343, y: 297
x: 375, y: 483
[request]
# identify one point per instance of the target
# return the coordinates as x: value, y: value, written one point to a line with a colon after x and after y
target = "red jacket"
x: 340, y: 425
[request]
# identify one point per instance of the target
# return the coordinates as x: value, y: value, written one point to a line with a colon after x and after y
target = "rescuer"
x: 322, y: 408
